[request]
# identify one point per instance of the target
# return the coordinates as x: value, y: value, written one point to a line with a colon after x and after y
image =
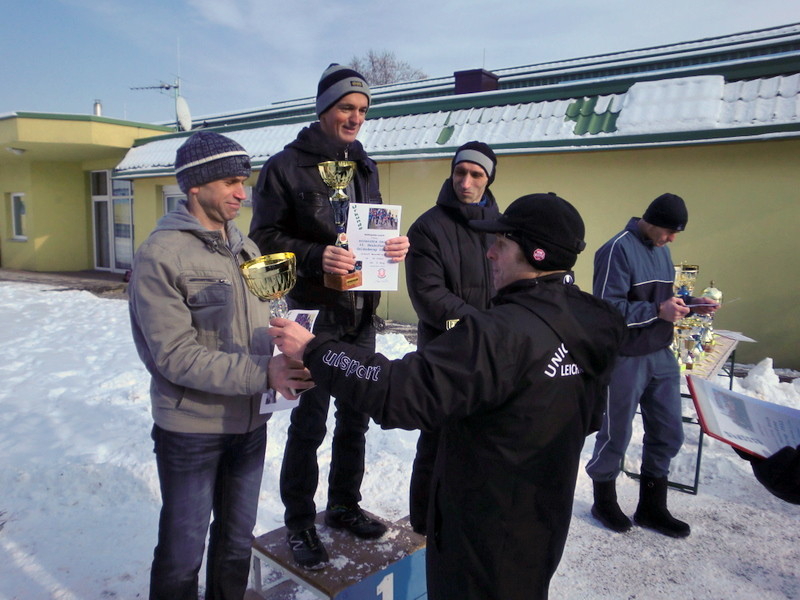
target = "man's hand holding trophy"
x: 337, y: 175
x: 270, y: 277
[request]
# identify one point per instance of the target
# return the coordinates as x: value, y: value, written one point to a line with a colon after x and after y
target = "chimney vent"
x: 475, y: 80
x: 98, y: 109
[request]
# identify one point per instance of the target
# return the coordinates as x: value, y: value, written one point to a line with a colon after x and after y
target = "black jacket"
x: 447, y: 273
x: 514, y: 390
x: 292, y: 213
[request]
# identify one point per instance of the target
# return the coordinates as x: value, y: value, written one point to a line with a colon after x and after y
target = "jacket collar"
x: 181, y: 219
x: 313, y: 141
x: 448, y: 200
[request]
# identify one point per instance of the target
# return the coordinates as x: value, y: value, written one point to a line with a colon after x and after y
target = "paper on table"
x: 734, y: 335
x: 368, y: 228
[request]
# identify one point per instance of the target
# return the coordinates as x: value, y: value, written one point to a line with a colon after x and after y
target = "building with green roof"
x: 716, y: 121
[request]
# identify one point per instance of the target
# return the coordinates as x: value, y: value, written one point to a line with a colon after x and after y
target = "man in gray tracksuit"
x: 203, y: 337
x: 634, y: 272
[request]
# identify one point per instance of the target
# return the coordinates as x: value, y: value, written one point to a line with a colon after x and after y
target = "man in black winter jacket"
x: 292, y: 213
x: 514, y: 389
x: 448, y: 277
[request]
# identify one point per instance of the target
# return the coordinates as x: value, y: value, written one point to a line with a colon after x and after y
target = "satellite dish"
x: 183, y: 114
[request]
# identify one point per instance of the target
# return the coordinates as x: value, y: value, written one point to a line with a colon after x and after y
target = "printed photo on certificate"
x: 368, y: 228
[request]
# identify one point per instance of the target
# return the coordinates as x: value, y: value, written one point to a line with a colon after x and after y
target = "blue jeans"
x: 200, y: 473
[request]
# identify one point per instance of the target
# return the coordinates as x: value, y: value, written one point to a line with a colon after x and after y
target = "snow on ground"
x: 79, y: 495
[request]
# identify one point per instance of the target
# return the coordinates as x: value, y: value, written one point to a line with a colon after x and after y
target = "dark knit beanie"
x: 207, y: 156
x: 478, y: 153
x: 338, y: 81
x: 667, y: 211
x: 549, y: 230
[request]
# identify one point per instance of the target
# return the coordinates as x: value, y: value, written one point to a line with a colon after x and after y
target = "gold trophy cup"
x: 337, y: 174
x: 270, y: 278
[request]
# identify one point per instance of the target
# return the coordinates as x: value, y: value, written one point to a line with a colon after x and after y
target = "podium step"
x: 357, y: 569
x: 286, y: 590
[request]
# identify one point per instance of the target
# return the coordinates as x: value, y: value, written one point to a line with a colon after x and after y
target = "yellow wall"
x: 744, y: 209
x: 148, y: 206
x: 743, y: 212
x: 98, y: 134
x: 53, y: 173
x: 56, y: 215
x: 14, y: 179
x: 60, y: 203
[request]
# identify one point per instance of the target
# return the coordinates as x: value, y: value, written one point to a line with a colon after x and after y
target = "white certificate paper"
x: 750, y: 424
x: 368, y: 228
x: 273, y: 401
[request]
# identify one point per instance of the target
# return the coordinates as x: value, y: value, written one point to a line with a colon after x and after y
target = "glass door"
x: 113, y: 222
x: 122, y: 200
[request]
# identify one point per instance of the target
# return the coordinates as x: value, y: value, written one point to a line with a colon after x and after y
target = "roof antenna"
x: 183, y: 118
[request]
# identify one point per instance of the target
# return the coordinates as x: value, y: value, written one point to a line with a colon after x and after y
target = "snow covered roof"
x: 662, y: 107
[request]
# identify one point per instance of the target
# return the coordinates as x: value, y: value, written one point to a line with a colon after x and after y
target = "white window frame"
x: 171, y: 193
x: 18, y: 220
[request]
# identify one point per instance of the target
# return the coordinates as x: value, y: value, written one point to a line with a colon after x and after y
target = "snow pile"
x: 79, y: 501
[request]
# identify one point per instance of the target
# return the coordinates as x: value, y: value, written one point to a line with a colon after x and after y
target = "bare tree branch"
x: 380, y: 68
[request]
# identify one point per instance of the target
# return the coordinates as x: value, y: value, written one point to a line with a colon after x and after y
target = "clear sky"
x: 62, y: 55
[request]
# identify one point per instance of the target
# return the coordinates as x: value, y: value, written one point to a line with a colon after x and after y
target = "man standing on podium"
x: 292, y: 212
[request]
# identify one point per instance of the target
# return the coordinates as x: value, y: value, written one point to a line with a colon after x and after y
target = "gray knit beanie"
x: 338, y: 81
x: 207, y: 156
x: 480, y: 154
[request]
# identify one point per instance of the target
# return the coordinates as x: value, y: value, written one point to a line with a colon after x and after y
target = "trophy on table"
x: 270, y: 277
x: 337, y: 174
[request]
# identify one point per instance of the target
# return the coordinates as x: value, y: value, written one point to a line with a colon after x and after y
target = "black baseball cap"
x: 548, y: 228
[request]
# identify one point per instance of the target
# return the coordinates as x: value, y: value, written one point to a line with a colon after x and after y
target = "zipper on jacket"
x: 209, y: 280
x: 244, y: 290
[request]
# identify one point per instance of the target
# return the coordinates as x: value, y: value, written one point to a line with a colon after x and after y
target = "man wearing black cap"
x: 292, y: 213
x: 514, y: 391
x: 448, y: 277
x: 202, y: 336
x: 635, y: 273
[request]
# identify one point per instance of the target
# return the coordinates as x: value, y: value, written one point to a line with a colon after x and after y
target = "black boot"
x: 605, y: 508
x: 652, y: 510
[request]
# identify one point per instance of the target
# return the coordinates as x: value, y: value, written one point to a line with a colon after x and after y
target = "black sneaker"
x: 353, y: 519
x: 307, y: 549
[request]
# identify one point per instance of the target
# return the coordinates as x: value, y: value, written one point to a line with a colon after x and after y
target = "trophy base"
x: 343, y: 282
